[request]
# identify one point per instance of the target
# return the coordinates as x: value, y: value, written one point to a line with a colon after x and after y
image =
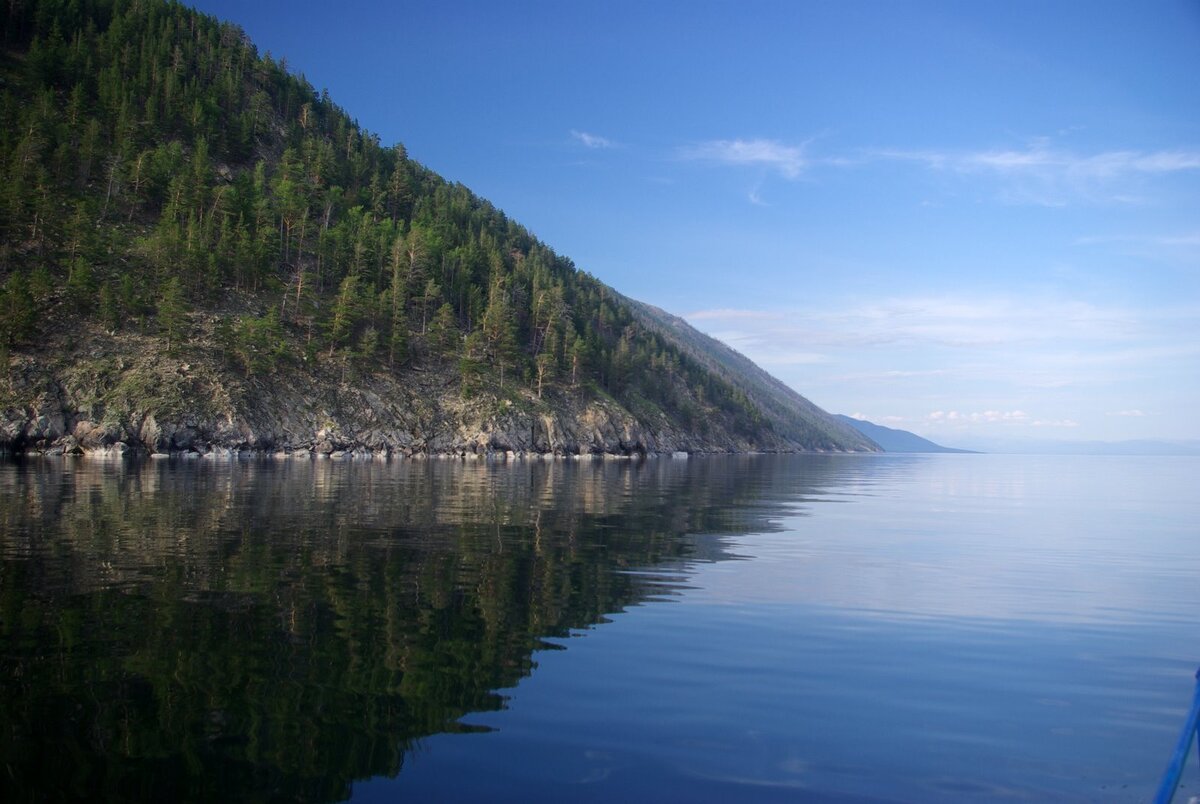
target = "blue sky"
x: 971, y: 220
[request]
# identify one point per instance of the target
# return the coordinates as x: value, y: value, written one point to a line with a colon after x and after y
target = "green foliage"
x: 443, y: 331
x: 257, y: 343
x: 17, y: 314
x: 41, y: 284
x: 173, y: 313
x: 135, y: 143
x: 368, y: 344
x: 109, y: 308
x: 346, y: 314
x: 80, y: 285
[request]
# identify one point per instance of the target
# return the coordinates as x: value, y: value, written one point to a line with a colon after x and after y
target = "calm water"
x: 815, y: 628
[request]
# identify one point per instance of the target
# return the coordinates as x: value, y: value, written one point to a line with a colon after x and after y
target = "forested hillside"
x: 200, y: 250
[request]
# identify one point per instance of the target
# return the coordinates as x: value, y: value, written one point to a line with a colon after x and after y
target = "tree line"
x: 153, y: 163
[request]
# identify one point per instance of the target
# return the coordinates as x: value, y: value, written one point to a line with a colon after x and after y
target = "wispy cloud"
x: 979, y: 361
x: 732, y: 314
x: 1040, y: 173
x: 594, y: 141
x: 787, y: 160
x: 1037, y: 172
x: 981, y: 322
x: 1134, y: 413
x: 986, y: 417
x: 1183, y: 240
x: 972, y: 336
x: 892, y: 374
x: 1040, y: 157
x: 1009, y: 418
x: 973, y: 324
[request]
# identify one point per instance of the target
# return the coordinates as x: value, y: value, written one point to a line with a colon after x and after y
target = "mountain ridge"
x: 786, y: 408
x: 894, y: 440
x: 203, y: 254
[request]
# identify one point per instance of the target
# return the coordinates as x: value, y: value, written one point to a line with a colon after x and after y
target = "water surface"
x: 904, y: 628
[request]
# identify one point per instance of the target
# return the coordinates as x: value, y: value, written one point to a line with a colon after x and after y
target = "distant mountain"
x: 893, y: 440
x: 201, y: 253
x: 789, y: 414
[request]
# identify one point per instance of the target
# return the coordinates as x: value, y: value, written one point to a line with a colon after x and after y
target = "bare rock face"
x: 134, y: 398
x: 332, y: 421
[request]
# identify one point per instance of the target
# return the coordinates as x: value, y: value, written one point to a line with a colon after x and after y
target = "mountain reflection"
x: 258, y: 630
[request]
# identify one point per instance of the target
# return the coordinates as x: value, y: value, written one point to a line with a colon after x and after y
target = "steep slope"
x: 789, y: 413
x: 200, y: 252
x: 893, y: 440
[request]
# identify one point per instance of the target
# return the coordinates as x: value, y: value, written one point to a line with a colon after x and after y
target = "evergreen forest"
x: 161, y: 178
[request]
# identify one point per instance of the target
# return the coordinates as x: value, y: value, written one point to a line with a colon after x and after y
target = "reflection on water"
x: 206, y: 630
x: 872, y: 627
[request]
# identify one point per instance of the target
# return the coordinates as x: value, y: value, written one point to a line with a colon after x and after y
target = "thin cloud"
x: 787, y: 160
x: 1041, y: 174
x: 1039, y: 157
x: 729, y: 313
x: 985, y: 322
x: 891, y: 375
x: 979, y: 361
x: 1135, y: 413
x: 960, y: 323
x: 594, y: 141
x: 1018, y: 418
x: 1184, y: 240
x: 979, y: 417
x: 884, y: 420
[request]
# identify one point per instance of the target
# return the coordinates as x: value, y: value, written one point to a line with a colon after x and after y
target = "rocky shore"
x: 122, y: 398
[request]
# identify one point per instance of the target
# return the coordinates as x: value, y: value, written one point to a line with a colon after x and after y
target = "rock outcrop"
x: 125, y: 395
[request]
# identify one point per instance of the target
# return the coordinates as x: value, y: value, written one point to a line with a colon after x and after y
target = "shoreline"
x: 127, y: 453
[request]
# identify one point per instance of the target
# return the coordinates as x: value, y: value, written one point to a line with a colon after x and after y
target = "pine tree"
x: 345, y: 314
x: 443, y: 330
x: 173, y: 313
x: 499, y: 327
x: 16, y: 310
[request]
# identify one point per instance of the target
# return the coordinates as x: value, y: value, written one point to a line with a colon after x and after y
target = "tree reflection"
x: 258, y: 630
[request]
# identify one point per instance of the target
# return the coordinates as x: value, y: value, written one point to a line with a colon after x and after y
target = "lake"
x: 814, y: 627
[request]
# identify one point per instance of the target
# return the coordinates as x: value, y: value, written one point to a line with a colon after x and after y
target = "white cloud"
x: 788, y: 160
x: 592, y: 140
x: 890, y: 374
x: 978, y: 322
x: 730, y: 314
x: 1185, y: 241
x: 979, y: 417
x: 1135, y: 413
x: 1063, y: 332
x: 1018, y: 418
x: 981, y: 362
x: 1042, y: 174
x: 1037, y: 172
x: 1180, y: 240
x: 886, y: 420
x: 1040, y: 157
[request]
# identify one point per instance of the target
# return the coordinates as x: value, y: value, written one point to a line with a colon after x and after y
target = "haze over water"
x: 911, y: 628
